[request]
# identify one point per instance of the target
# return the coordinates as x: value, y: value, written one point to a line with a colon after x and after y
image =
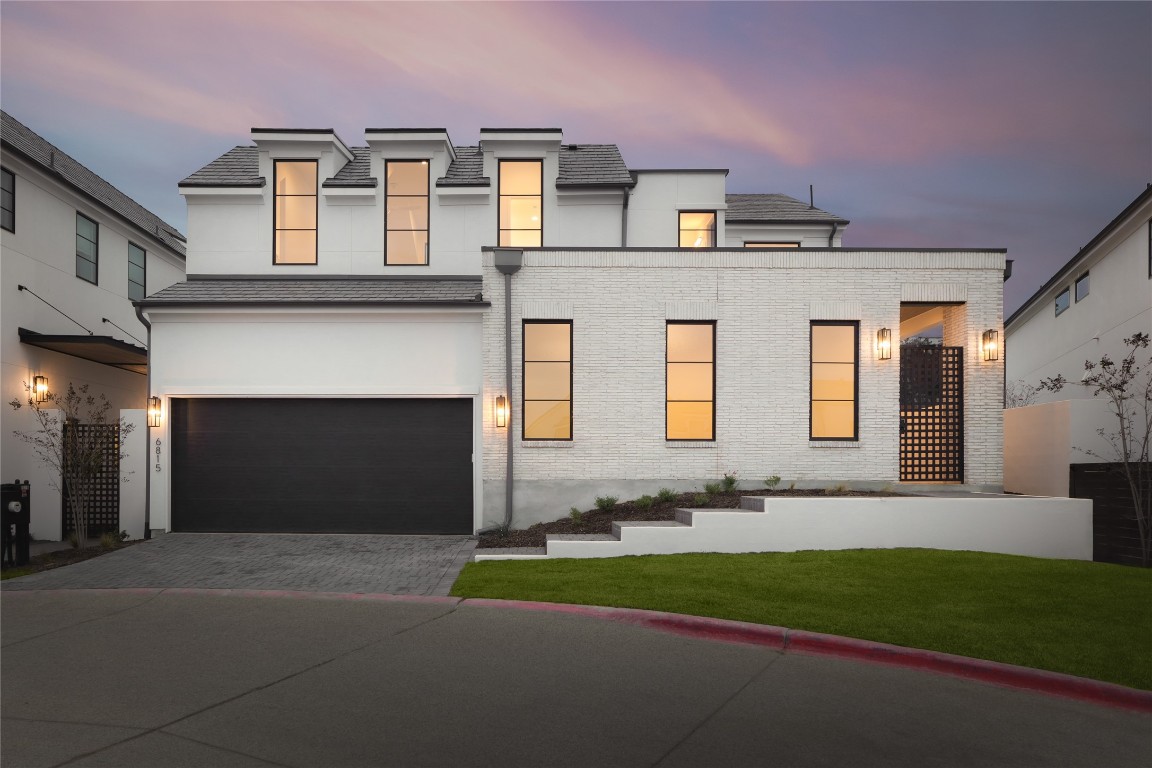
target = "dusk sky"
x: 1025, y: 126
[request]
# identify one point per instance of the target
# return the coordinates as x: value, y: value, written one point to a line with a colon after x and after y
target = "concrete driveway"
x: 156, y: 679
x: 399, y: 565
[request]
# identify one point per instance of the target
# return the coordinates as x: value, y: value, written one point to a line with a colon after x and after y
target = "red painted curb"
x: 816, y: 643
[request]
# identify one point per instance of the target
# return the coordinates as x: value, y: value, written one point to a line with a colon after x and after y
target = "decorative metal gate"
x: 931, y: 414
x: 104, y: 506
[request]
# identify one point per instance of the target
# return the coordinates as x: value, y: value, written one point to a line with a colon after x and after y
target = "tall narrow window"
x: 690, y: 362
x: 521, y: 203
x: 136, y: 272
x: 295, y: 216
x: 7, y: 200
x: 1082, y: 287
x: 697, y: 229
x: 1062, y: 301
x: 87, y: 250
x: 547, y: 380
x: 407, y: 212
x: 835, y: 348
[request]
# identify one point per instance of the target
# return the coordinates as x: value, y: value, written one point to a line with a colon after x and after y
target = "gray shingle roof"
x: 238, y: 167
x: 355, y: 172
x: 593, y: 165
x: 776, y: 209
x: 256, y: 291
x: 466, y: 170
x: 23, y: 140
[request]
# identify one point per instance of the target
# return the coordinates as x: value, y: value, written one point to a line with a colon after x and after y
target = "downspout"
x: 832, y: 236
x: 624, y: 219
x: 508, y: 262
x: 147, y: 443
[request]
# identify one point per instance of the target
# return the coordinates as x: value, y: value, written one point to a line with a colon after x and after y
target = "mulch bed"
x: 62, y: 557
x: 597, y: 521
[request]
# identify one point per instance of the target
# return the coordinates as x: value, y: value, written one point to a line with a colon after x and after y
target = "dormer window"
x: 521, y: 203
x: 294, y: 223
x: 406, y: 216
x: 697, y: 229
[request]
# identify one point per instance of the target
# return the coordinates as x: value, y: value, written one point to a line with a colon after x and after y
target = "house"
x: 413, y: 336
x: 76, y: 253
x: 1100, y: 297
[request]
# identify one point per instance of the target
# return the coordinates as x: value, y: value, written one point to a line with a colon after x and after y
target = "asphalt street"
x: 162, y: 678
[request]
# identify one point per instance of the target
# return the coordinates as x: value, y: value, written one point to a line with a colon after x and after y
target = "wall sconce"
x: 40, y: 388
x: 501, y: 411
x: 154, y: 411
x: 990, y: 343
x: 884, y: 344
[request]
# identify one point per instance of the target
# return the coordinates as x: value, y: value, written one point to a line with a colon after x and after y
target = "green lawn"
x: 1081, y: 618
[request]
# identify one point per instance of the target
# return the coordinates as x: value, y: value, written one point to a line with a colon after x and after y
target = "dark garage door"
x: 322, y: 466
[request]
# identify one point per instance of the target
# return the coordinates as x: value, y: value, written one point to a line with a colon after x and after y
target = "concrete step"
x: 580, y: 537
x: 509, y: 553
x: 617, y: 525
x: 685, y: 515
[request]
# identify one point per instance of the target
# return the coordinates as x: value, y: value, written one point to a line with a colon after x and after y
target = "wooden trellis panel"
x: 104, y: 506
x: 932, y: 414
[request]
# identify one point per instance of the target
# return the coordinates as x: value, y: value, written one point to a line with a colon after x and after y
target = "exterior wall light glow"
x: 501, y: 411
x: 990, y: 343
x: 154, y: 411
x: 40, y: 388
x: 884, y: 344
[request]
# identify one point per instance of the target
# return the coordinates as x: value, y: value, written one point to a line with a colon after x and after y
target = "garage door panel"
x: 306, y: 465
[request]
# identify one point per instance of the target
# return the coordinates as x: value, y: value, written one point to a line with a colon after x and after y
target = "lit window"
x: 690, y: 363
x: 1062, y: 301
x: 771, y: 245
x: 7, y: 200
x: 136, y: 272
x: 87, y: 252
x: 295, y: 226
x: 407, y: 212
x: 834, y: 360
x: 547, y: 380
x: 1082, y: 287
x: 697, y: 229
x: 521, y: 203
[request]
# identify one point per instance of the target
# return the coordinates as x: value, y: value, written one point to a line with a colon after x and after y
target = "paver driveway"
x: 399, y: 565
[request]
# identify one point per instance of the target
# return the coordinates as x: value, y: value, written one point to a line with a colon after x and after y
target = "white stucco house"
x: 412, y: 336
x: 76, y: 253
x: 1100, y: 297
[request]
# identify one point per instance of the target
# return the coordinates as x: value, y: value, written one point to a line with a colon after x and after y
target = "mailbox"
x: 15, y: 518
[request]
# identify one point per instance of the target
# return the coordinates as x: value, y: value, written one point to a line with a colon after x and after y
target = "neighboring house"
x: 370, y: 338
x: 76, y: 253
x: 1085, y: 311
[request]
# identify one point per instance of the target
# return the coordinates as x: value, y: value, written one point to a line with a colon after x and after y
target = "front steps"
x: 1016, y: 525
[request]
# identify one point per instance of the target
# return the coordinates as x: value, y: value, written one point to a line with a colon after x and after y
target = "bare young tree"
x: 1127, y: 387
x: 76, y: 456
x: 1019, y: 393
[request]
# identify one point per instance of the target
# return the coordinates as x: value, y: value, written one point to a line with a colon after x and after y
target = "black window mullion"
x: 525, y: 360
x: 667, y: 363
x: 82, y: 259
x: 855, y: 363
x: 7, y: 200
x: 276, y: 214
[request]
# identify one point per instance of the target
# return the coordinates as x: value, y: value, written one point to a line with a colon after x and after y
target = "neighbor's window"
x: 771, y: 245
x: 834, y: 360
x: 697, y: 229
x: 690, y: 363
x: 1082, y: 286
x: 547, y: 380
x: 521, y: 203
x: 136, y: 272
x: 7, y: 200
x: 1062, y: 301
x: 294, y: 187
x: 87, y: 252
x: 407, y: 212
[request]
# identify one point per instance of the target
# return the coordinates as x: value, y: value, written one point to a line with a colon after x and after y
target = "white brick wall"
x: 619, y: 302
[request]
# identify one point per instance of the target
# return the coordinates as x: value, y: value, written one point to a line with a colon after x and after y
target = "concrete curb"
x: 780, y: 639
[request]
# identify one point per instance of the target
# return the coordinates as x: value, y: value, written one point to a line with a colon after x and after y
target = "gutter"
x: 147, y: 443
x: 508, y: 262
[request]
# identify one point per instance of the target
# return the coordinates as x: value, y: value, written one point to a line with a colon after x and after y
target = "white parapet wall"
x: 1037, y: 527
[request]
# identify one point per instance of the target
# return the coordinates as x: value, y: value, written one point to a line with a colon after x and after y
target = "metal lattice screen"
x: 104, y: 506
x: 932, y: 414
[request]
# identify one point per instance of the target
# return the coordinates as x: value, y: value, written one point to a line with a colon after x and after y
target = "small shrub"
x: 701, y: 500
x: 645, y: 502
x: 730, y: 481
x: 771, y: 482
x: 123, y: 535
x: 605, y: 503
x: 666, y: 495
x: 713, y: 488
x: 74, y: 540
x: 792, y: 485
x: 837, y: 490
x: 109, y: 540
x: 577, y: 516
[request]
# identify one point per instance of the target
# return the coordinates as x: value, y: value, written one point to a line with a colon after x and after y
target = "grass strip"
x: 1081, y: 618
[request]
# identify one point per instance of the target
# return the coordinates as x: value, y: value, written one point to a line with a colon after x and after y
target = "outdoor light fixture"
x: 154, y: 411
x: 501, y: 411
x: 40, y: 388
x: 990, y: 343
x: 884, y: 344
